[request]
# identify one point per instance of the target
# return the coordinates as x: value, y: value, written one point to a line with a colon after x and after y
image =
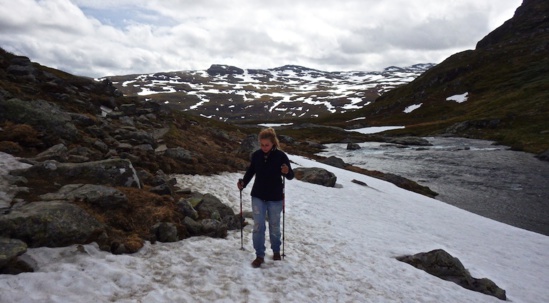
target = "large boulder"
x: 51, y: 224
x: 316, y: 175
x: 114, y: 172
x: 441, y: 264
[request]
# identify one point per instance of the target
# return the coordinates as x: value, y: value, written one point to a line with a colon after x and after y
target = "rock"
x: 334, y: 161
x: 353, y: 146
x: 286, y: 139
x: 210, y: 205
x: 100, y: 145
x: 51, y: 224
x: 99, y: 195
x: 82, y: 120
x: 192, y: 226
x: 10, y: 249
x: 165, y: 232
x: 315, y: 175
x: 57, y: 152
x: 214, y: 228
x: 179, y: 154
x: 114, y: 172
x: 162, y: 189
x: 359, y: 182
x: 185, y: 207
x: 443, y: 265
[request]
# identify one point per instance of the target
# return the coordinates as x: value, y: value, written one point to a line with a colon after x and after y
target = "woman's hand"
x: 284, y: 169
x: 240, y: 184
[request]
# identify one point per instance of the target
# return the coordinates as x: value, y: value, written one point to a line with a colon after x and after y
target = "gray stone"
x: 42, y: 116
x: 165, y: 232
x: 210, y: 205
x: 57, y: 152
x: 115, y: 172
x: 315, y: 175
x: 193, y: 226
x: 179, y: 154
x: 100, y: 195
x: 185, y: 207
x: 52, y: 224
x: 441, y: 264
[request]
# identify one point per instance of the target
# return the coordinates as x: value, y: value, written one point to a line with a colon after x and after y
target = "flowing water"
x: 489, y: 180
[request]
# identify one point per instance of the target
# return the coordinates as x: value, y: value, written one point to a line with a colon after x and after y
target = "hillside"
x: 504, y: 82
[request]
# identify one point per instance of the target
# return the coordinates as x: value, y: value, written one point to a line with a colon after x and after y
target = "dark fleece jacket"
x: 268, y: 177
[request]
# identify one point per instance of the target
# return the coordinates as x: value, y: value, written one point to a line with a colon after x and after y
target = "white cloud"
x: 99, y: 38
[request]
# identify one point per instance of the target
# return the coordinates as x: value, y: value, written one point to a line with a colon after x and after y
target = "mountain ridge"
x: 234, y: 94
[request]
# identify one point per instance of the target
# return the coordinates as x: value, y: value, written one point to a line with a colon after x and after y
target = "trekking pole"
x: 241, y: 220
x: 283, y: 212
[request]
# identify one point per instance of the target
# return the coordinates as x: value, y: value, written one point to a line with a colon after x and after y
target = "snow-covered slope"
x: 230, y: 93
x: 340, y: 243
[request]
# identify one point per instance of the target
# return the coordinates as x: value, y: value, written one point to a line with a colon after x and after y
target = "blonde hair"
x: 269, y: 133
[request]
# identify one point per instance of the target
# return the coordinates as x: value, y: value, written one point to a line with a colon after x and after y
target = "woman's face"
x: 266, y: 145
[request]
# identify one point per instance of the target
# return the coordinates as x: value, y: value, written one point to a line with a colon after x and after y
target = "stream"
x: 476, y: 175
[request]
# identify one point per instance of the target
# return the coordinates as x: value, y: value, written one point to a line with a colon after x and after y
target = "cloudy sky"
x: 104, y: 37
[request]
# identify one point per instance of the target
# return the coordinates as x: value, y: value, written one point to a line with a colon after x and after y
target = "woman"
x: 269, y: 165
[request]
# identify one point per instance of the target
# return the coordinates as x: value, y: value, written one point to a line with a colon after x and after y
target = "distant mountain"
x: 499, y: 91
x: 229, y: 93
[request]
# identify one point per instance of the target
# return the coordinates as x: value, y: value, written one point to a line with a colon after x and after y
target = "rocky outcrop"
x: 98, y: 195
x: 315, y: 175
x: 115, y: 172
x: 441, y: 264
x: 43, y: 116
x: 52, y: 224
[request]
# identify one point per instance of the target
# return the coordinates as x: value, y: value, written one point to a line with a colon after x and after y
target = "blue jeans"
x: 261, y: 210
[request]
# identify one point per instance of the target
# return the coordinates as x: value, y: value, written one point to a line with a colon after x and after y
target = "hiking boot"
x: 276, y: 256
x: 257, y: 262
